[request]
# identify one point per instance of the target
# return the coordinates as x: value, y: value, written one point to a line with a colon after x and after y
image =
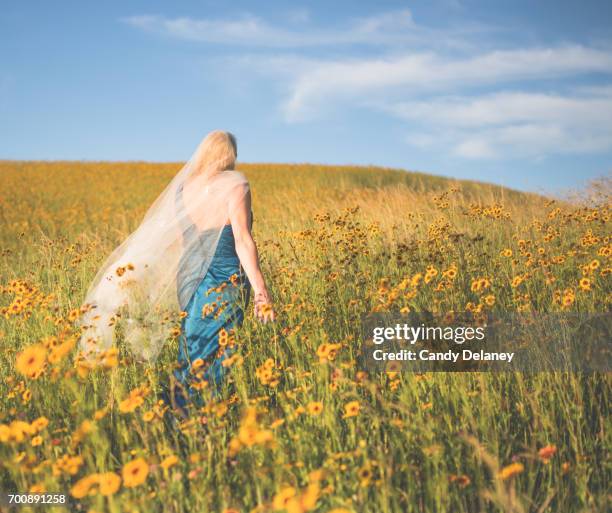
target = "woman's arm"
x: 246, y: 249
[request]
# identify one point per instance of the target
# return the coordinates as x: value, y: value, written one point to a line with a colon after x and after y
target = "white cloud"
x: 248, y: 30
x: 432, y: 78
x: 395, y: 27
x: 510, y: 107
x: 433, y: 73
x: 514, y: 124
x: 474, y: 148
x: 244, y: 30
x: 499, y: 124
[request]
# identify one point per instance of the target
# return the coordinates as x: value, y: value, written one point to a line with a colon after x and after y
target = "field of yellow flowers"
x: 300, y: 427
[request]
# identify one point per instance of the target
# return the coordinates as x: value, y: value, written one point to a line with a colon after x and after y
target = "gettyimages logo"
x: 460, y: 342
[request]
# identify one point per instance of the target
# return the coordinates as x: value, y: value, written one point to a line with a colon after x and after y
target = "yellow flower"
x: 223, y: 337
x: 18, y: 430
x: 220, y: 409
x: 31, y: 361
x: 365, y: 475
x: 309, y: 498
x: 106, y: 484
x: 84, y: 487
x: 37, y: 440
x: 40, y: 423
x: 416, y: 279
x: 100, y: 414
x: 315, y: 408
x: 283, y: 498
x: 568, y: 300
x: 450, y: 273
x: 247, y: 435
x: 263, y: 436
x: 60, y: 351
x: 131, y: 403
x: 585, y: 284
x: 83, y: 367
x: 135, y: 472
x: 109, y: 483
x: 67, y: 464
x: 479, y: 284
x: 168, y: 462
x: 510, y: 471
x: 5, y: 433
x: 110, y: 358
x: 327, y: 352
x: 277, y: 423
x: 351, y: 409
x: 489, y: 300
x: 430, y: 273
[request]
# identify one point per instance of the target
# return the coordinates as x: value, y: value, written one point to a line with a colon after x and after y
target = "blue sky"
x: 512, y: 92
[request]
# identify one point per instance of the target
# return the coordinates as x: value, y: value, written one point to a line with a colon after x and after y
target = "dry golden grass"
x: 300, y: 427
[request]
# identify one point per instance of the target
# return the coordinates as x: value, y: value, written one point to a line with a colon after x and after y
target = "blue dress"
x: 213, y: 311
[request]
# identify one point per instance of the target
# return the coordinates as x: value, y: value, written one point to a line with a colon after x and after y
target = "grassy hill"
x: 301, y: 426
x: 86, y: 193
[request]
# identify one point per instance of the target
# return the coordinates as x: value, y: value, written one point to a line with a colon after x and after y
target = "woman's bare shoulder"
x: 229, y: 181
x: 235, y: 176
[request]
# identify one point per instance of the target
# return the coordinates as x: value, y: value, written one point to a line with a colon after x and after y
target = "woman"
x: 217, y: 305
x: 194, y: 253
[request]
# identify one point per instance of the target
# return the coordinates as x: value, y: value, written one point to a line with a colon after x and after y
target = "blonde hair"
x: 216, y: 153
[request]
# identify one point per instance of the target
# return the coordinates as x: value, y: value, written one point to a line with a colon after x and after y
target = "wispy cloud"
x: 511, y: 107
x: 513, y: 124
x: 254, y: 31
x: 458, y: 89
x: 418, y: 73
x: 396, y: 27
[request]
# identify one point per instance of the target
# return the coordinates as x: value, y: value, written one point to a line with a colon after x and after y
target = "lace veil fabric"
x: 152, y: 275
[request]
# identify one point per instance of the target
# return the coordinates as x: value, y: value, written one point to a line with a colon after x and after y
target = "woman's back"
x: 197, y: 255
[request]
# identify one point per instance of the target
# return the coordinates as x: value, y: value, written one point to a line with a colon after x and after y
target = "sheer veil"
x: 148, y: 279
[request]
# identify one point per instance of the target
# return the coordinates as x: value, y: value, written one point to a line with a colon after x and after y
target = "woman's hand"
x: 263, y: 307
